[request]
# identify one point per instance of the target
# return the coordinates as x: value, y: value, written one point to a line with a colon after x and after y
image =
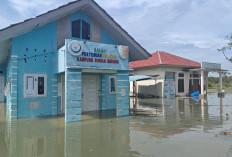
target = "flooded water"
x: 179, y: 127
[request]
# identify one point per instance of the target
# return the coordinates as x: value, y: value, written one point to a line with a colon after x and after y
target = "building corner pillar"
x: 202, y: 93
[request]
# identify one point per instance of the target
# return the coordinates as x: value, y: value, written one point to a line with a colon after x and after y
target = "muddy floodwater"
x: 180, y: 127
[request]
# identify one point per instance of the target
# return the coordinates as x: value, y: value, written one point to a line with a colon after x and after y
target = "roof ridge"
x: 159, y: 57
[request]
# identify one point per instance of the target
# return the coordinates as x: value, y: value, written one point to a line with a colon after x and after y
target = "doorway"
x: 194, y: 85
x: 1, y: 89
x: 90, y: 96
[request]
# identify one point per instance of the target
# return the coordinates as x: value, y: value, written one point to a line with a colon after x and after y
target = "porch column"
x: 72, y: 95
x: 123, y: 89
x: 220, y: 94
x: 202, y: 84
x: 220, y: 82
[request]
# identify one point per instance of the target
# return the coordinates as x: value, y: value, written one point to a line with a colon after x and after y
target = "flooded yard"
x: 180, y: 127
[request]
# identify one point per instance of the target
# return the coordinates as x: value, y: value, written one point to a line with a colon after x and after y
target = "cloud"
x: 32, y: 8
x: 194, y: 29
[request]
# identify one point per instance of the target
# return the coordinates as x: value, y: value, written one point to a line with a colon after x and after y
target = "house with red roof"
x: 175, y: 76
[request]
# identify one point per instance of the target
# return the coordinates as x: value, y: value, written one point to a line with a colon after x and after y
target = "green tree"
x: 228, y: 47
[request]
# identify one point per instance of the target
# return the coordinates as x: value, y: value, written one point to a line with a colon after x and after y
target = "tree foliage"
x: 228, y: 47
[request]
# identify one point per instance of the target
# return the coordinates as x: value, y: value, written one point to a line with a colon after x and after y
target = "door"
x: 90, y: 88
x: 63, y: 94
x: 194, y: 85
x: 1, y: 88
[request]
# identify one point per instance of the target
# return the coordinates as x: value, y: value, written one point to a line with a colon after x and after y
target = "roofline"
x: 38, y: 22
x: 123, y: 30
x: 166, y: 65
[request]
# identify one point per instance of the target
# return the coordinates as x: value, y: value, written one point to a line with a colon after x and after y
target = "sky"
x: 192, y: 29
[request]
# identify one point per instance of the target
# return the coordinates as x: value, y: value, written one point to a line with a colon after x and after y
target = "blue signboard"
x: 92, y: 55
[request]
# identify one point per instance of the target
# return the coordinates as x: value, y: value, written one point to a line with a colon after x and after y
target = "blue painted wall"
x: 38, y: 48
x: 123, y: 101
x: 82, y: 16
x: 108, y: 100
x: 107, y: 39
x: 3, y: 67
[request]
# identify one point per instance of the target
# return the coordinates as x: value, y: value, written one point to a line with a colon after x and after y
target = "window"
x: 85, y: 30
x: 35, y: 85
x: 112, y: 84
x: 180, y: 85
x: 81, y: 29
x: 40, y: 85
x: 181, y: 75
x: 76, y: 29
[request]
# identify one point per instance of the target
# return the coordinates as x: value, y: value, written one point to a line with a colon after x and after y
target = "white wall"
x: 151, y: 87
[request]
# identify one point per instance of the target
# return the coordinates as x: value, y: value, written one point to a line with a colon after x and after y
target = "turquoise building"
x: 70, y: 60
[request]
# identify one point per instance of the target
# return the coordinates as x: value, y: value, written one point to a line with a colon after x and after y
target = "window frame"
x: 35, y: 93
x: 181, y: 79
x: 114, y: 77
x: 81, y: 29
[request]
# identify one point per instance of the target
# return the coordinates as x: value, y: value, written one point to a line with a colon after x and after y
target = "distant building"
x: 176, y: 75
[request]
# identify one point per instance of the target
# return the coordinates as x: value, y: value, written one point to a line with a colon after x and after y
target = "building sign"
x: 74, y: 48
x: 96, y: 55
x: 211, y: 66
x: 123, y: 52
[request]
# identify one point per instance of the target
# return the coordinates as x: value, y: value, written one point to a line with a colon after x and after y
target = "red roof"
x: 164, y: 58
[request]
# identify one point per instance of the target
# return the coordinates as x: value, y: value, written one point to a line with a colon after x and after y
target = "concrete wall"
x: 63, y: 31
x: 95, y: 31
x: 34, y: 54
x: 73, y: 86
x: 107, y: 39
x: 149, y: 87
x: 156, y: 87
x: 123, y: 87
x: 108, y: 101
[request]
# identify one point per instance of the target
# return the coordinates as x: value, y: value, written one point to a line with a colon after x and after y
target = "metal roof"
x: 164, y: 58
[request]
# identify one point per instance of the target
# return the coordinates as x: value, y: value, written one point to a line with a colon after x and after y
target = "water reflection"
x: 158, y: 127
x: 174, y: 116
x: 43, y: 137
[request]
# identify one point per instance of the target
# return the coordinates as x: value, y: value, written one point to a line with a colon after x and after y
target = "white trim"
x: 34, y: 93
x: 99, y: 71
x: 74, y: 80
x: 123, y: 80
x: 73, y: 73
x: 73, y: 87
x: 122, y: 86
x: 123, y: 74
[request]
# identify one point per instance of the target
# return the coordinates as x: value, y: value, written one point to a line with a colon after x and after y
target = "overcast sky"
x: 193, y: 29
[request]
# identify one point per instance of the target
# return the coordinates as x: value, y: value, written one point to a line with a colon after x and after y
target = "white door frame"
x: 83, y: 94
